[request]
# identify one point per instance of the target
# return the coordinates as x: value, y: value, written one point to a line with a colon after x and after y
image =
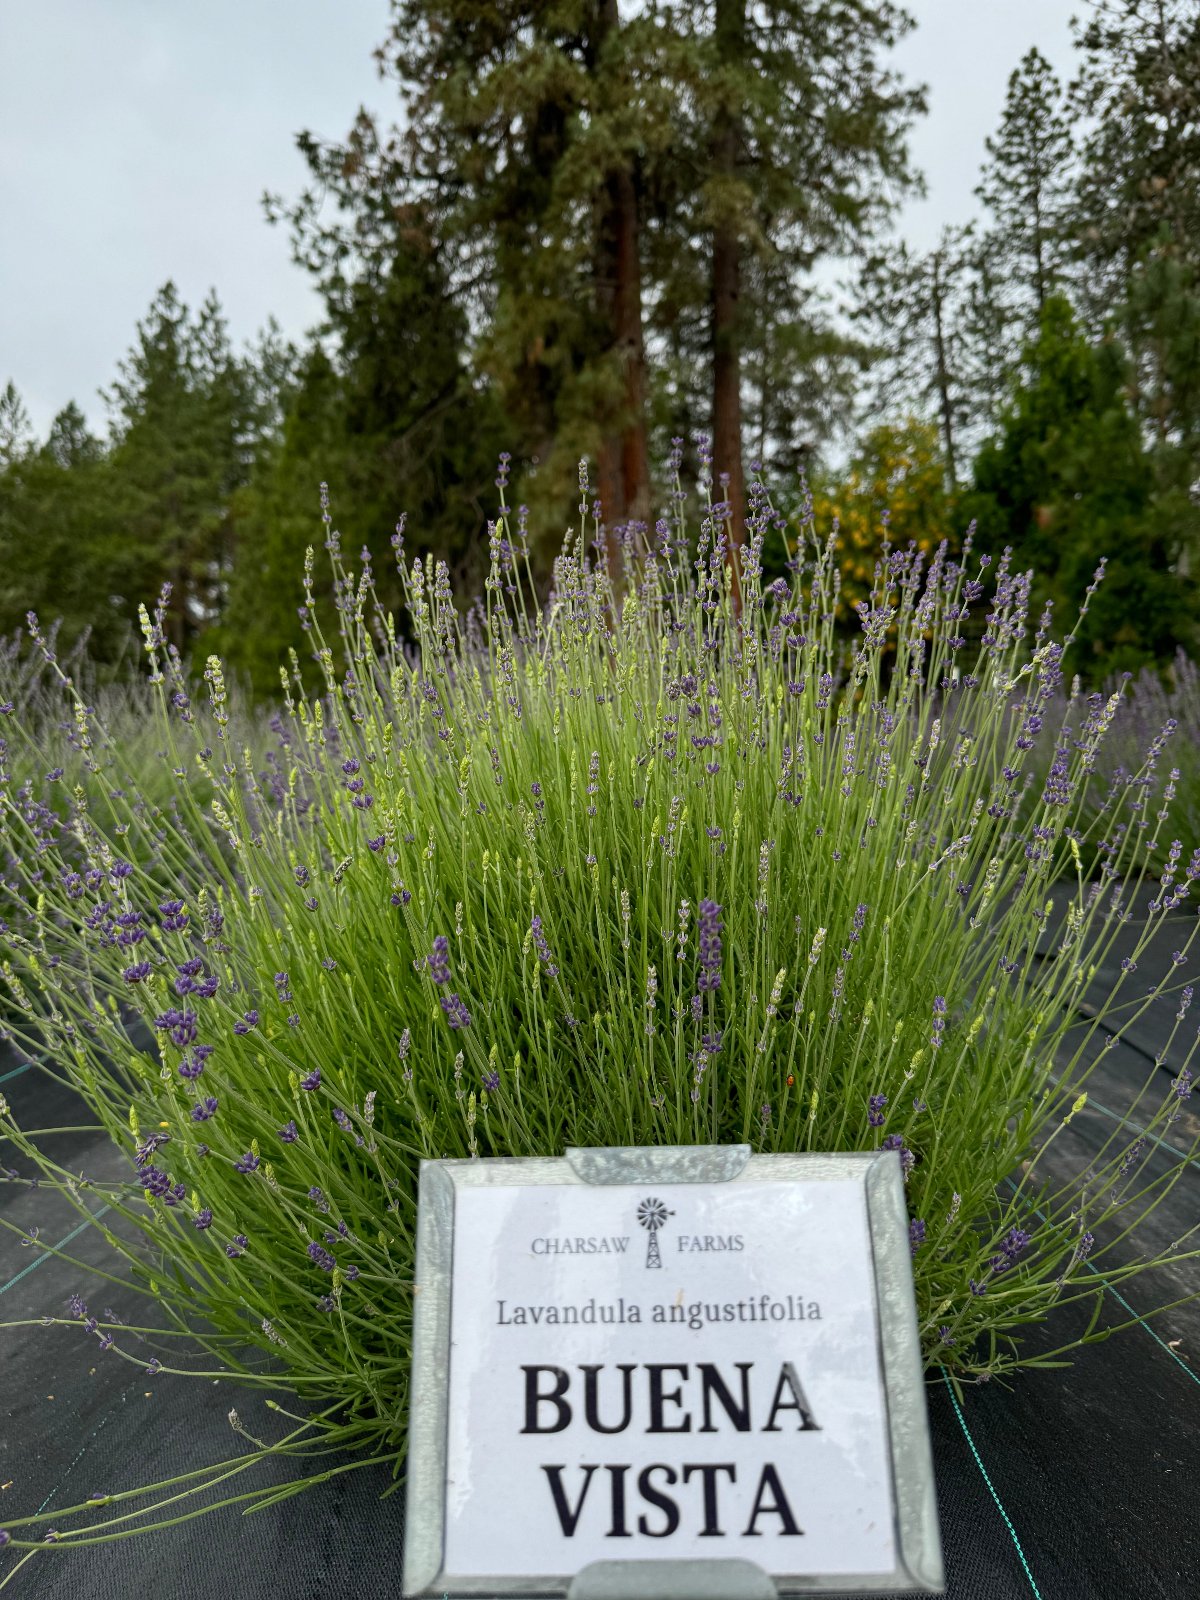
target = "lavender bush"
x: 1148, y: 707
x: 634, y: 867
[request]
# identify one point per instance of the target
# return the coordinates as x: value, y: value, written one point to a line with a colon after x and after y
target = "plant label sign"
x: 667, y: 1373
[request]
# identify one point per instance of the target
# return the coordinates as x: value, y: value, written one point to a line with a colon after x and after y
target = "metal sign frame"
x: 917, y: 1542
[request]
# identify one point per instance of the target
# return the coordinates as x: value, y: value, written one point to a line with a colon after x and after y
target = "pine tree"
x: 1138, y: 223
x: 183, y: 426
x: 796, y: 133
x: 916, y: 308
x: 58, y: 533
x: 16, y: 434
x: 1138, y: 88
x: 384, y: 411
x: 1026, y: 185
x: 71, y: 442
x: 527, y: 128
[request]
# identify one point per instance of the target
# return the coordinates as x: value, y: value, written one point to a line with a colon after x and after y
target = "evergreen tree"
x: 1138, y: 88
x: 59, y: 536
x: 800, y: 370
x: 383, y: 410
x: 71, y: 442
x: 1138, y: 223
x: 1026, y: 181
x: 1066, y: 480
x: 796, y: 134
x: 183, y: 428
x: 1026, y: 186
x: 16, y: 434
x: 527, y: 128
x: 916, y: 306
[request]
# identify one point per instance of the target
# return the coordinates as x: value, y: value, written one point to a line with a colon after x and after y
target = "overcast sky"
x: 137, y: 137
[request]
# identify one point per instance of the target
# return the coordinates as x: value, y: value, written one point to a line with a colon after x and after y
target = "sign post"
x: 669, y: 1373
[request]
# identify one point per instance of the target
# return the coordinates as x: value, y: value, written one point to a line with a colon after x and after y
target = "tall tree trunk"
x: 730, y: 29
x: 945, y: 408
x: 624, y: 465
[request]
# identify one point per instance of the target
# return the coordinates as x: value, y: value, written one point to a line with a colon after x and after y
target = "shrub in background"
x: 629, y: 868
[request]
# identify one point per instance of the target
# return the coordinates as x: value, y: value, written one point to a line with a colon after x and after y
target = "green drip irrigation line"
x: 46, y: 1254
x: 962, y: 1422
x: 1191, y: 1372
x: 1189, y: 1161
x: 1116, y: 1116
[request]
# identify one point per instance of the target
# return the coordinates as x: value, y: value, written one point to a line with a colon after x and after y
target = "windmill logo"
x: 652, y: 1214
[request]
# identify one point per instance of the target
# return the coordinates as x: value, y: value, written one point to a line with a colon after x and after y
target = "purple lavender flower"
x: 939, y: 1022
x: 174, y: 919
x: 438, y: 961
x: 319, y: 1254
x: 895, y: 1141
x: 138, y: 973
x: 710, y: 946
x: 313, y: 1081
x: 1058, y: 786
x: 318, y: 1199
x: 152, y: 1366
x: 916, y: 1234
x: 147, y: 1148
x: 342, y: 1120
x: 543, y: 947
x: 491, y: 1080
x: 250, y: 1020
x: 875, y: 1108
x: 237, y: 1247
x: 204, y: 1109
x: 456, y: 1012
x: 181, y: 1025
x: 202, y: 1219
x: 248, y: 1163
x: 1011, y: 1246
x: 288, y: 1133
x: 192, y: 1065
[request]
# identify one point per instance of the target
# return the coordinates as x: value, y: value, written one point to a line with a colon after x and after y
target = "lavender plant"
x: 636, y: 866
x: 1148, y: 705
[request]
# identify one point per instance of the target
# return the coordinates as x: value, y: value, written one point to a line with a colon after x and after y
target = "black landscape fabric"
x: 1075, y: 1484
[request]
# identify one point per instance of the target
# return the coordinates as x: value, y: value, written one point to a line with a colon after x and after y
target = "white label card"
x: 679, y: 1370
